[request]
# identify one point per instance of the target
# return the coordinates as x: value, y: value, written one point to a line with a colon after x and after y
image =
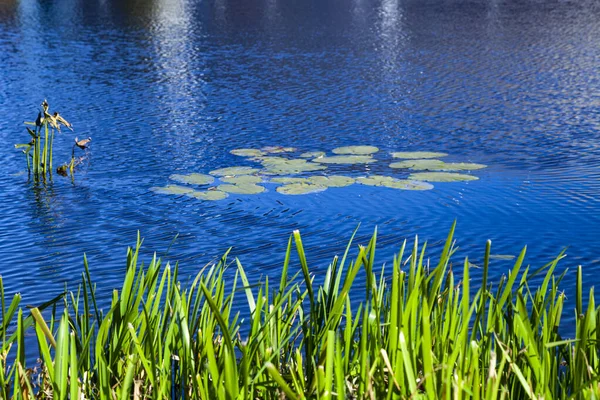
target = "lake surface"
x: 168, y: 87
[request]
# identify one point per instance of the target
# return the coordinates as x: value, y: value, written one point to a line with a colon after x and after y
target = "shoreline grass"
x: 416, y: 333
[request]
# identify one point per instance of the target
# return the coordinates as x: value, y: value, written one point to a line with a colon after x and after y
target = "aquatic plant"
x: 441, y: 177
x: 209, y: 195
x: 413, y: 328
x: 436, y: 165
x: 234, y: 171
x: 39, y: 150
x: 243, y: 188
x: 193, y: 179
x: 417, y: 154
x: 301, y: 188
x: 351, y: 159
x: 356, y: 150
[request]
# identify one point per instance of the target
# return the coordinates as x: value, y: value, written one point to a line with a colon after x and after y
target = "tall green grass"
x: 410, y: 330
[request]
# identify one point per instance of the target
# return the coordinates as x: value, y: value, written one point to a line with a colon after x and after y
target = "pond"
x: 172, y: 87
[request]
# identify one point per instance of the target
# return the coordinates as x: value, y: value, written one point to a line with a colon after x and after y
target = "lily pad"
x: 332, y: 180
x: 288, y: 180
x: 361, y: 150
x: 376, y: 180
x: 234, y: 171
x: 345, y: 160
x: 426, y: 164
x: 210, y: 195
x: 441, y: 177
x: 278, y: 149
x: 436, y: 165
x: 172, y: 189
x: 242, y: 179
x: 312, y: 154
x: 388, y: 181
x: 246, y: 188
x: 418, y: 154
x: 300, y: 188
x: 247, y: 152
x: 193, y: 179
x: 285, y: 166
x: 405, y: 184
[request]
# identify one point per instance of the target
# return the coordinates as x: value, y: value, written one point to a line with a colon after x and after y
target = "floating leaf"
x: 376, y: 180
x: 242, y: 179
x: 172, y: 189
x: 288, y: 180
x: 426, y: 164
x: 417, y: 154
x: 345, y: 160
x: 233, y: 171
x: 278, y: 149
x: 301, y: 188
x: 436, y: 165
x: 247, y: 152
x: 355, y: 150
x: 285, y: 166
x: 502, y: 256
x: 441, y: 177
x: 332, y: 180
x: 388, y: 181
x: 193, y: 179
x: 210, y: 195
x: 312, y: 154
x: 246, y: 188
x: 405, y: 184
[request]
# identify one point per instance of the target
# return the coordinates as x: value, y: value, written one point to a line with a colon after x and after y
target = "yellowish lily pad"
x: 193, y: 179
x: 418, y: 154
x: 332, y: 180
x: 441, y: 177
x: 210, y: 195
x: 312, y: 154
x: 246, y: 188
x: 242, y: 179
x: 345, y: 160
x: 247, y: 152
x: 234, y: 171
x: 172, y: 189
x: 300, y: 188
x: 357, y: 150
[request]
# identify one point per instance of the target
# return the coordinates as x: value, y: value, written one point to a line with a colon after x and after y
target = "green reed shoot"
x: 421, y: 328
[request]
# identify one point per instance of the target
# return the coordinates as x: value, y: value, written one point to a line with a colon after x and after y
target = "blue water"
x: 168, y: 87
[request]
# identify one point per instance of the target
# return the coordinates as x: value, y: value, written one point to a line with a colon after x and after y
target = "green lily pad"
x: 288, y: 180
x: 376, y: 180
x: 246, y: 188
x: 426, y: 164
x: 441, y: 177
x: 233, y: 171
x: 172, y: 189
x: 405, y: 184
x: 211, y: 195
x: 332, y: 180
x: 360, y: 150
x: 345, y: 160
x: 193, y: 179
x: 285, y: 166
x: 312, y: 154
x: 278, y: 149
x: 242, y: 179
x: 417, y: 154
x: 388, y: 181
x: 300, y: 188
x: 247, y: 152
x: 436, y: 165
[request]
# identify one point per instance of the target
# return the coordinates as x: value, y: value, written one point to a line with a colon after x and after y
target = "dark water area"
x: 172, y: 86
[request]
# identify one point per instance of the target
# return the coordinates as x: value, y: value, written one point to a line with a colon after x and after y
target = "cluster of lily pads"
x: 276, y: 166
